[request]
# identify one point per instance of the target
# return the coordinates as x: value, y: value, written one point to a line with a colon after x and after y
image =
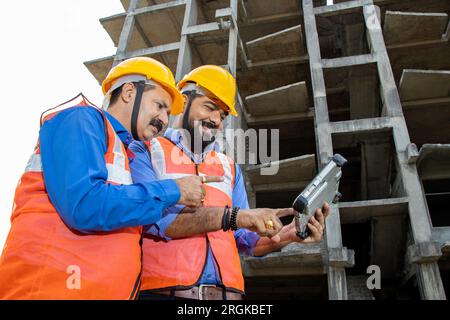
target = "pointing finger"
x: 208, y: 179
x: 278, y: 225
x: 285, y: 212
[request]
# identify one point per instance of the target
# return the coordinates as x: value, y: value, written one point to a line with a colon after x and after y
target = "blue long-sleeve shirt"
x: 73, y: 144
x: 142, y: 171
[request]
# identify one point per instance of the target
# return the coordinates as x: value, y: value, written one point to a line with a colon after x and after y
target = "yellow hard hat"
x: 152, y: 70
x: 216, y: 80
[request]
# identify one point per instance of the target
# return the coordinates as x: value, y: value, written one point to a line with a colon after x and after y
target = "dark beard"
x: 204, y: 143
x: 190, y: 128
x: 213, y: 128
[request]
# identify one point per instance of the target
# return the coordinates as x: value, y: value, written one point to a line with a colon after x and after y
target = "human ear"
x: 128, y: 92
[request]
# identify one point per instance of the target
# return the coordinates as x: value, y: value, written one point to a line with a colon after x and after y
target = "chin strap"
x: 140, y: 86
x: 191, y: 95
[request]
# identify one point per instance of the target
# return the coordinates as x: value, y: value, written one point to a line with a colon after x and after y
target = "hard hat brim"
x: 231, y: 107
x: 177, y: 99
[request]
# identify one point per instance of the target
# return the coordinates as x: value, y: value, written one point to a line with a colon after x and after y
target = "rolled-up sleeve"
x: 245, y: 239
x: 73, y: 145
x: 159, y: 228
x: 142, y: 172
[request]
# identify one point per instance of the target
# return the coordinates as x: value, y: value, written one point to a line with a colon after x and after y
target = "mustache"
x: 158, y: 124
x: 209, y: 125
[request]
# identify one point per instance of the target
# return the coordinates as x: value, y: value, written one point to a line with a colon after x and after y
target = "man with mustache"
x: 196, y: 255
x: 77, y: 217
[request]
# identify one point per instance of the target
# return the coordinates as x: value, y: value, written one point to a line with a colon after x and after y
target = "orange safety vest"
x: 179, y: 263
x: 44, y: 259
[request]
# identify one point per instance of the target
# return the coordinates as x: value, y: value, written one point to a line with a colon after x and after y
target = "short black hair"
x: 192, y: 95
x: 115, y: 95
x: 116, y: 92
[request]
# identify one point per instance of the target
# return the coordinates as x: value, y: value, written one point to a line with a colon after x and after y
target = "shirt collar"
x: 176, y: 137
x: 123, y: 133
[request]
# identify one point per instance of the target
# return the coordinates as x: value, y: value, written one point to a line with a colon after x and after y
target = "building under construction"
x: 369, y: 79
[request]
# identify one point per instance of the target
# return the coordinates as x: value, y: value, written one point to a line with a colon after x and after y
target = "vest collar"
x: 123, y: 133
x: 176, y: 137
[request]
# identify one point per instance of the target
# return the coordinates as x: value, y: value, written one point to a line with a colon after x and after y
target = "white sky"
x: 43, y: 45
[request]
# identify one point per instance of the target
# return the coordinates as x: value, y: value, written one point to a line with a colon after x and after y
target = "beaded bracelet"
x: 226, y: 219
x: 233, y: 219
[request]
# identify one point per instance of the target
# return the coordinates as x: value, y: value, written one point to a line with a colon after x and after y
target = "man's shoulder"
x: 138, y: 147
x: 172, y: 135
x: 79, y: 114
x: 227, y: 157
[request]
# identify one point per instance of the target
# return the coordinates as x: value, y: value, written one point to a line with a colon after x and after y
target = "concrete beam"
x: 337, y: 286
x: 147, y: 7
x: 295, y: 170
x: 426, y: 104
x: 185, y: 58
x: 348, y: 61
x: 153, y: 50
x: 278, y: 62
x: 424, y: 252
x: 201, y: 29
x: 280, y: 118
x: 341, y: 257
x: 412, y: 153
x: 160, y: 7
x: 281, y: 186
x: 298, y: 260
x: 127, y: 30
x: 99, y: 68
x: 261, y: 11
x: 361, y: 125
x: 281, y: 44
x: 434, y: 162
x: 430, y: 282
x: 287, y: 99
x: 363, y: 211
x: 389, y: 93
x: 147, y: 31
x: 341, y: 8
x: 289, y: 117
x: 404, y: 27
x: 424, y: 84
x: 233, y: 42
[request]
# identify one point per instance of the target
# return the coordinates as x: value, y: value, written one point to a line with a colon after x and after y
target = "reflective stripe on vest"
x: 34, y: 164
x: 179, y: 263
x: 44, y: 259
x: 159, y: 159
x: 117, y: 172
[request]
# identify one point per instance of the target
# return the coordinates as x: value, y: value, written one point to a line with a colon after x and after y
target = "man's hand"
x: 316, y: 225
x: 288, y: 234
x: 265, y: 222
x: 192, y: 191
